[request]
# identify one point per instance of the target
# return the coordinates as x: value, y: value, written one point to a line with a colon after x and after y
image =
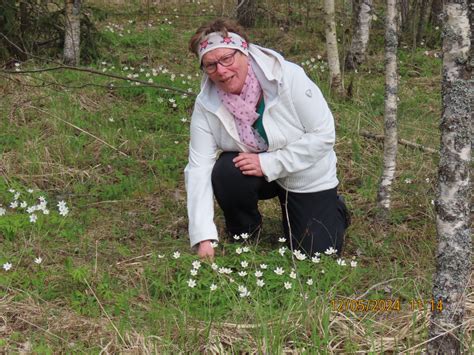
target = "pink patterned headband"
x: 218, y: 40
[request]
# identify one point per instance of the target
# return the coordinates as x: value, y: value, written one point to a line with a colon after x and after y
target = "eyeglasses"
x: 226, y: 61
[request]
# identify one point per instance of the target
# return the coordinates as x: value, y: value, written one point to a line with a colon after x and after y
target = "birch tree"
x: 331, y: 47
x: 72, y: 32
x: 360, y: 36
x: 390, y: 114
x: 453, y: 259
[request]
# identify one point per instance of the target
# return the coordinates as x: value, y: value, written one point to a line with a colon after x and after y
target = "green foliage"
x: 128, y: 212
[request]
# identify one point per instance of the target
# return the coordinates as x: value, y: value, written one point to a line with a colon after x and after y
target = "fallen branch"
x: 61, y: 66
x: 380, y: 138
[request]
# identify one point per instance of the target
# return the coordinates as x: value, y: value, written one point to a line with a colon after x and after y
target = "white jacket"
x: 299, y: 127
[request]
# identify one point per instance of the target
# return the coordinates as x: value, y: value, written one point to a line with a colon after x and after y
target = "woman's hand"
x: 248, y: 163
x: 205, y: 250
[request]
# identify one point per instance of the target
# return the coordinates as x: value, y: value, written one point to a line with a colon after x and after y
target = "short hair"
x: 222, y: 25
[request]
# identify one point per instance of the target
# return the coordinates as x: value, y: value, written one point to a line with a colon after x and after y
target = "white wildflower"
x: 33, y: 218
x: 2, y: 211
x: 293, y: 275
x: 242, y: 273
x: 330, y: 251
x: 245, y: 249
x: 214, y: 244
x: 353, y: 263
x: 16, y: 196
x: 7, y: 266
x: 258, y: 273
x: 184, y: 120
x: 243, y: 291
x: 282, y: 240
x: 38, y: 260
x: 23, y: 204
x: 244, y: 264
x: 309, y: 282
x: 315, y: 259
x: 236, y: 237
x: 196, y: 264
x: 14, y: 204
x: 282, y: 251
x: 193, y: 272
x: 64, y: 211
x: 341, y: 262
x: 238, y: 250
x: 279, y: 271
x: 408, y: 181
x: 260, y: 283
x: 244, y: 236
x: 160, y: 256
x: 176, y: 254
x: 214, y: 266
x: 287, y: 285
x: 299, y: 255
x: 263, y: 266
x: 191, y: 283
x: 213, y: 287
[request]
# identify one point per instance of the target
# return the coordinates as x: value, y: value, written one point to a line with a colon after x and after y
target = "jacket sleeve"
x: 317, y: 139
x: 200, y: 202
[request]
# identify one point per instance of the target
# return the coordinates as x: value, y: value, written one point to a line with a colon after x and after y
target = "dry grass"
x: 403, y: 331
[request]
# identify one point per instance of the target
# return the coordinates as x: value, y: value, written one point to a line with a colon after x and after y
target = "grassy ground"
x: 109, y: 278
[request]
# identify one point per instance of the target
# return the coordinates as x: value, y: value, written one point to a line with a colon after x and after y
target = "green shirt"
x: 258, y: 125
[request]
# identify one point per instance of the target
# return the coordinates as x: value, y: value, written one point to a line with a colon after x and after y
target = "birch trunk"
x: 72, y: 32
x: 360, y: 37
x: 390, y: 114
x: 331, y: 47
x: 453, y: 259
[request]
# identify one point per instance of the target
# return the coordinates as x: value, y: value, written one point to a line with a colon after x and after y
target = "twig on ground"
x: 40, y: 328
x: 82, y: 130
x: 380, y: 138
x: 105, y: 312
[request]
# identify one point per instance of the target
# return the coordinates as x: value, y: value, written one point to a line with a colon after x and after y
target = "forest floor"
x: 112, y: 271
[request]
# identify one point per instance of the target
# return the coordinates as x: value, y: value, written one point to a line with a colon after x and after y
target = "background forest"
x: 93, y: 228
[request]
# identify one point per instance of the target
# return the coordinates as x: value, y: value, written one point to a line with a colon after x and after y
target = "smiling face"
x: 229, y: 79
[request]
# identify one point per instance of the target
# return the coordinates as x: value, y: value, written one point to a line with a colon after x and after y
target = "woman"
x: 276, y: 134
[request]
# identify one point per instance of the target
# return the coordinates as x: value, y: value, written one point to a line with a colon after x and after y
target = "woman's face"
x: 229, y: 79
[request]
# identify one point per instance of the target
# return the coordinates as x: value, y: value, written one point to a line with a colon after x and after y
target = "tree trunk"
x: 360, y: 36
x: 404, y: 14
x: 331, y: 46
x: 436, y: 12
x: 246, y: 12
x: 453, y: 259
x: 72, y: 32
x: 390, y: 115
x: 421, y: 21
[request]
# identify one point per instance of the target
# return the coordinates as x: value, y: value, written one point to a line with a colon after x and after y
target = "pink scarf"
x: 243, y: 106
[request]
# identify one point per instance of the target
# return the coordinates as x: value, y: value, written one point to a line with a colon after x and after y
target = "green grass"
x: 108, y: 279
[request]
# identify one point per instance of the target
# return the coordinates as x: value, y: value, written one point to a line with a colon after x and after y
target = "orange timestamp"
x: 384, y: 305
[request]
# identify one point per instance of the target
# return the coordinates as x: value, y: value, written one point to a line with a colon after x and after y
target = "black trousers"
x: 316, y: 220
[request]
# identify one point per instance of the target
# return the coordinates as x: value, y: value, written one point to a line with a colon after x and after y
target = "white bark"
x: 72, y: 33
x: 390, y: 115
x: 453, y: 269
x: 360, y: 37
x: 331, y: 47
